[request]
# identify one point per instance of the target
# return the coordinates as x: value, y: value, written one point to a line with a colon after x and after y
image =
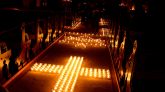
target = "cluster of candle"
x: 83, y: 41
x: 79, y: 34
x: 103, y: 22
x: 86, y: 72
x: 47, y: 68
x: 69, y: 75
x: 70, y: 72
x: 83, y: 34
x: 95, y: 73
x: 104, y: 32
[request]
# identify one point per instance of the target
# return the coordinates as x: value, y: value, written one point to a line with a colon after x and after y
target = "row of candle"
x: 77, y: 33
x: 84, y: 34
x: 95, y: 72
x: 68, y: 77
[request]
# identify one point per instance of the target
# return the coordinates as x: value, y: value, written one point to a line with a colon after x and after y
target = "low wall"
x: 27, y: 66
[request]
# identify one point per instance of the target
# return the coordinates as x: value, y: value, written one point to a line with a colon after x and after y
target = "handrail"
x: 13, y: 78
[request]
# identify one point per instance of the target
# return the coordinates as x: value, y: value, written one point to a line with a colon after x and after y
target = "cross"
x: 70, y: 73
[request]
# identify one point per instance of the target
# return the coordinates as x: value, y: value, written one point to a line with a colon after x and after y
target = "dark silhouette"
x: 31, y: 53
x: 5, y: 70
x: 13, y: 67
x: 16, y: 67
x: 21, y: 63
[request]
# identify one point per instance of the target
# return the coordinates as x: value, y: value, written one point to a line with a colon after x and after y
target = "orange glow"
x: 133, y: 7
x: 103, y: 73
x: 70, y: 73
x: 86, y: 72
x: 82, y: 71
x: 108, y: 74
x: 90, y: 72
x: 82, y: 40
x: 99, y: 73
x: 76, y: 25
x: 64, y: 70
x: 129, y: 76
x: 95, y: 72
x: 103, y: 22
x: 121, y: 72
